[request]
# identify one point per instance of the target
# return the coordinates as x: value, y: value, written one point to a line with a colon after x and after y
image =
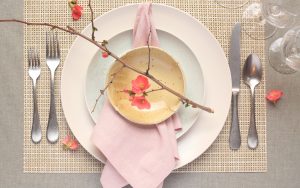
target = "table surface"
x: 283, y: 127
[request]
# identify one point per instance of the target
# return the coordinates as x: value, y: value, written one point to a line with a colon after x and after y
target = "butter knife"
x: 235, y: 66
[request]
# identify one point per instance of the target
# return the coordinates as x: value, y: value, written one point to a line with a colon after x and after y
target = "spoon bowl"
x: 252, y: 74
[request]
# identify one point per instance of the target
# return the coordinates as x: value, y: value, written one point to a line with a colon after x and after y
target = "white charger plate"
x: 121, y: 43
x: 194, y: 34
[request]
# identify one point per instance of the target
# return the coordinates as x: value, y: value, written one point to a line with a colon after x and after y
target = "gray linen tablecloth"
x: 283, y: 128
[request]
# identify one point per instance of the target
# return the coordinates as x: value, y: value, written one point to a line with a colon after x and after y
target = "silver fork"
x: 52, y: 60
x: 34, y: 71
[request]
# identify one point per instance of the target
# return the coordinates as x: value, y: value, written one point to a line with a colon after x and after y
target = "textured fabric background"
x: 46, y: 157
x: 283, y: 128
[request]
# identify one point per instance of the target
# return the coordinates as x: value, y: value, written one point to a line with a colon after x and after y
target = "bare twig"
x: 102, y: 91
x: 92, y: 20
x: 97, y: 99
x: 72, y: 31
x: 153, y: 90
x: 149, y: 52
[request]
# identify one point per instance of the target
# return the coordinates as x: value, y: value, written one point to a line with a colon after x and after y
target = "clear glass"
x: 284, y: 53
x: 278, y: 13
x: 258, y: 14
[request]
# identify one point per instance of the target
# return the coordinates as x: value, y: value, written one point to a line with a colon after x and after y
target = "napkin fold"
x: 143, y: 25
x: 141, y: 157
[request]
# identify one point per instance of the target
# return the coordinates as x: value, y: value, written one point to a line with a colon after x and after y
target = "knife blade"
x: 235, y: 69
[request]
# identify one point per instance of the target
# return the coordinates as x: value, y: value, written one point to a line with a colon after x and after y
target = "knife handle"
x: 235, y: 136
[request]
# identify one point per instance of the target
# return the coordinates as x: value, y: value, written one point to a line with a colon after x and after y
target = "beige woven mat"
x: 45, y: 157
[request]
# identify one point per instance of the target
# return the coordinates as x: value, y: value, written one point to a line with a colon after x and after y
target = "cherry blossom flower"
x: 137, y: 95
x: 76, y: 12
x: 140, y: 84
x: 104, y: 54
x: 70, y: 143
x: 140, y: 102
x: 274, y: 96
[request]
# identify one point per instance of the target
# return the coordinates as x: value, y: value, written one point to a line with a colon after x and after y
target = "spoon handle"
x: 235, y: 136
x: 252, y: 133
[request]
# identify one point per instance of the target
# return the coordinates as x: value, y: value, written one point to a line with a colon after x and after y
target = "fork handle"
x: 36, y: 131
x: 52, y: 128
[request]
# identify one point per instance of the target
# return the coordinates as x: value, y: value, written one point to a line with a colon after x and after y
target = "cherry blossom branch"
x: 149, y: 52
x: 72, y: 31
x: 92, y: 20
x: 102, y: 91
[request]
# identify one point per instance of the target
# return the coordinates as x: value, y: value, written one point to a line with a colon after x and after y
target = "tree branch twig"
x: 102, y: 91
x: 153, y: 90
x: 72, y: 31
x: 92, y: 20
x: 149, y: 52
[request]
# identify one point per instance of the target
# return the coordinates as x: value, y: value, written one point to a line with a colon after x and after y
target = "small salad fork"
x: 52, y: 60
x: 34, y: 71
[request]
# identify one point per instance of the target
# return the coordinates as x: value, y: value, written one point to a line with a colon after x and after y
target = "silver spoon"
x: 252, y: 74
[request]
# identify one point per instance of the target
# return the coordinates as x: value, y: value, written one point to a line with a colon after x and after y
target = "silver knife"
x: 235, y: 69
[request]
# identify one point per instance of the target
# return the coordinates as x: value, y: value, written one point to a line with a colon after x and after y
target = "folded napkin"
x: 141, y: 157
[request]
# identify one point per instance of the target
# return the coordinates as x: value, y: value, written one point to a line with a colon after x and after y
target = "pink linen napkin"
x: 141, y: 157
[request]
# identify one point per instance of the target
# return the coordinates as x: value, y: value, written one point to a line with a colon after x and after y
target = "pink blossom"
x: 140, y: 102
x: 76, y: 12
x: 140, y: 84
x: 70, y: 143
x: 104, y: 54
x: 274, y: 96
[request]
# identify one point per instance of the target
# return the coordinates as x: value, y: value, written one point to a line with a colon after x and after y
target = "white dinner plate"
x: 121, y: 43
x: 196, y: 36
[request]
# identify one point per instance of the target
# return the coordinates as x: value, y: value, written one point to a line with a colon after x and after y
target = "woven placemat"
x: 45, y: 157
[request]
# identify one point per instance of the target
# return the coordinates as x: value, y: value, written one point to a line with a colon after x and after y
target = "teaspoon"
x: 252, y: 74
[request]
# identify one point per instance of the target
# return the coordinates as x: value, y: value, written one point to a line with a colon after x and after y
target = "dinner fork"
x: 34, y: 71
x: 52, y: 60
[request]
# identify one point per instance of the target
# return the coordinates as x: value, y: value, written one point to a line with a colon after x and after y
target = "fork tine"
x: 38, y: 58
x: 47, y: 44
x: 57, y: 45
x: 34, y: 58
x: 29, y: 58
x: 51, y: 45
